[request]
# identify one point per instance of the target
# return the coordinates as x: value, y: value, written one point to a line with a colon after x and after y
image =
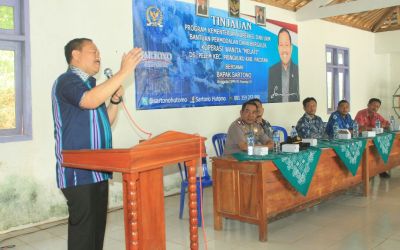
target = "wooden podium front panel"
x: 151, y: 210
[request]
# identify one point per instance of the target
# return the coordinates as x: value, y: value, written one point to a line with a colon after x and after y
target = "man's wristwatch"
x: 117, y: 102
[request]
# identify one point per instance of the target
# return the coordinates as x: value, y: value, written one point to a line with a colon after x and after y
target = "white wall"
x: 395, y: 80
x: 31, y: 165
x: 387, y: 42
x: 394, y: 69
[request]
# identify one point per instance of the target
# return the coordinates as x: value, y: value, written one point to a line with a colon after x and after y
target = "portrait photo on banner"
x: 283, y: 76
x: 234, y: 8
x: 202, y: 8
x: 259, y: 13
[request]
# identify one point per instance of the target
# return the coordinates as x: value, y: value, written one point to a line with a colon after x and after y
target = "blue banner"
x: 193, y: 60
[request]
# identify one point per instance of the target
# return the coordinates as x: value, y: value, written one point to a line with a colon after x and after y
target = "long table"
x: 255, y: 191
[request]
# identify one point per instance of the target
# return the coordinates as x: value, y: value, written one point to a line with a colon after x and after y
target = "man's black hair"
x: 307, y: 100
x: 287, y: 31
x: 255, y: 100
x: 74, y: 44
x: 342, y: 101
x: 374, y: 100
x: 248, y: 103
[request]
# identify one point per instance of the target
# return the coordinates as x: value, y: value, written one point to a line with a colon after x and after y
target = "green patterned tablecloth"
x: 384, y: 142
x: 297, y: 168
x: 349, y: 151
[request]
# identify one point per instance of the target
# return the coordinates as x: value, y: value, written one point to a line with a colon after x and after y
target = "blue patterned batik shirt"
x: 343, y: 122
x: 310, y: 127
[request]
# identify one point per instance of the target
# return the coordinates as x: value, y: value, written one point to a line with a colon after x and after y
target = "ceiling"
x: 370, y: 15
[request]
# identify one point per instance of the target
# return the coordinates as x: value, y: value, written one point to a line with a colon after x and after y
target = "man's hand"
x: 130, y: 60
x: 112, y: 87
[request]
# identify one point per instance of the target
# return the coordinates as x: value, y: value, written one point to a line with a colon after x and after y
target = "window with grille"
x: 15, y: 96
x: 337, y: 76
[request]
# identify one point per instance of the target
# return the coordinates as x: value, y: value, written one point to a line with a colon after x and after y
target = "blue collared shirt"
x: 78, y: 128
x: 343, y: 122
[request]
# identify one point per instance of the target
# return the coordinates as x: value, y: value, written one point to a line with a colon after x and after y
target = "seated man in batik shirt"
x: 341, y: 117
x: 310, y: 125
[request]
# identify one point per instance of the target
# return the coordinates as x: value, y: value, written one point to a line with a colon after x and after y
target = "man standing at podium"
x: 82, y: 121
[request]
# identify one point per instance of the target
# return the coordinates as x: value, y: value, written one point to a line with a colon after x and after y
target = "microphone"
x: 108, y: 73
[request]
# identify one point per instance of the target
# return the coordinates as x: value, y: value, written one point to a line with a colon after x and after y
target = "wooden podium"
x: 142, y: 170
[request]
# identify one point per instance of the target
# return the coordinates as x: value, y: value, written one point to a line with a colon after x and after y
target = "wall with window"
x: 28, y: 192
x: 368, y: 70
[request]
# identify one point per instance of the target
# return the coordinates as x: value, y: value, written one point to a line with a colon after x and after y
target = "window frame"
x: 330, y: 89
x: 18, y: 40
x: 17, y: 14
x: 335, y: 68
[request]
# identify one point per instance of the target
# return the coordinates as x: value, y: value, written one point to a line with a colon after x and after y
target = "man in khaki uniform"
x: 236, y: 140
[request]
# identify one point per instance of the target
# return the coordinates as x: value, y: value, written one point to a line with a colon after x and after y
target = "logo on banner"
x: 154, y: 16
x: 144, y: 101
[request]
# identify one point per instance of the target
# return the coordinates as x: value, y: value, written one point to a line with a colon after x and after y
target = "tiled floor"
x: 349, y: 221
